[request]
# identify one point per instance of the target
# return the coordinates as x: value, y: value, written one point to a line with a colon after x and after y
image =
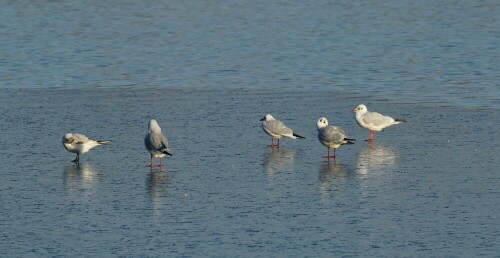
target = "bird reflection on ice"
x: 277, y: 160
x: 82, y: 176
x: 156, y: 186
x: 373, y: 157
x: 331, y: 173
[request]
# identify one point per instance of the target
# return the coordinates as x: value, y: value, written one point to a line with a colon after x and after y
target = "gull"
x: 373, y: 121
x: 156, y: 143
x: 331, y: 136
x: 277, y: 129
x: 79, y: 144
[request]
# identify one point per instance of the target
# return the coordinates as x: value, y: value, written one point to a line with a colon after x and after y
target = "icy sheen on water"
x: 208, y: 71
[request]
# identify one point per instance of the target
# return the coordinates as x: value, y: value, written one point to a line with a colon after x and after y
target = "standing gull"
x: 373, y: 121
x: 79, y: 144
x: 156, y: 143
x: 331, y: 136
x: 277, y: 129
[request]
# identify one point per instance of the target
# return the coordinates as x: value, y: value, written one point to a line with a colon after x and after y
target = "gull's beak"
x: 354, y: 110
x: 262, y: 119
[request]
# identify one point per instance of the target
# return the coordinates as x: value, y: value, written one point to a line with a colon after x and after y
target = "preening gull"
x: 156, y: 143
x: 79, y: 144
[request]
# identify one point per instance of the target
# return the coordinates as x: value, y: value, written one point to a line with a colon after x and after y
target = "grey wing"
x: 333, y: 134
x: 376, y: 119
x: 157, y: 141
x: 278, y: 127
x: 163, y: 142
x: 148, y: 143
x: 340, y: 130
x: 80, y: 137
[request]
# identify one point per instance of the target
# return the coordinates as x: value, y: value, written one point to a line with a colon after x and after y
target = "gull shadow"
x: 156, y: 183
x: 275, y: 161
x: 80, y: 177
x: 332, y: 174
x: 156, y: 187
x: 375, y: 158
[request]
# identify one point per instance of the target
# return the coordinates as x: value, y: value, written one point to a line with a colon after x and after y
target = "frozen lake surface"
x: 427, y: 187
x: 208, y: 71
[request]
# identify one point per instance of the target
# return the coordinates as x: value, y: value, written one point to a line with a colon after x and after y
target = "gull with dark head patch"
x: 331, y: 136
x: 79, y: 144
x: 277, y: 129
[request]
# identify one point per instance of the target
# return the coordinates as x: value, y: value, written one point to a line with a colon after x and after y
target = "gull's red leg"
x: 272, y: 143
x: 371, y: 136
x: 334, y: 156
x: 328, y: 156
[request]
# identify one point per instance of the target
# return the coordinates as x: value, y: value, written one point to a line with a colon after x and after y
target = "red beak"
x: 354, y: 110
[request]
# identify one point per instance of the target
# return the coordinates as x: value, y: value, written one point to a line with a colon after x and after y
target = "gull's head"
x: 68, y: 138
x: 154, y: 127
x: 360, y: 108
x: 268, y: 117
x: 322, y: 123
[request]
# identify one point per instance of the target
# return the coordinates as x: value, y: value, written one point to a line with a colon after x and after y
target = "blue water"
x: 424, y: 51
x: 208, y: 71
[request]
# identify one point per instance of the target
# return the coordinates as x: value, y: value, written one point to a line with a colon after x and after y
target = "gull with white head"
x: 331, y: 136
x: 79, y: 144
x: 277, y: 129
x: 373, y: 121
x: 156, y: 143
